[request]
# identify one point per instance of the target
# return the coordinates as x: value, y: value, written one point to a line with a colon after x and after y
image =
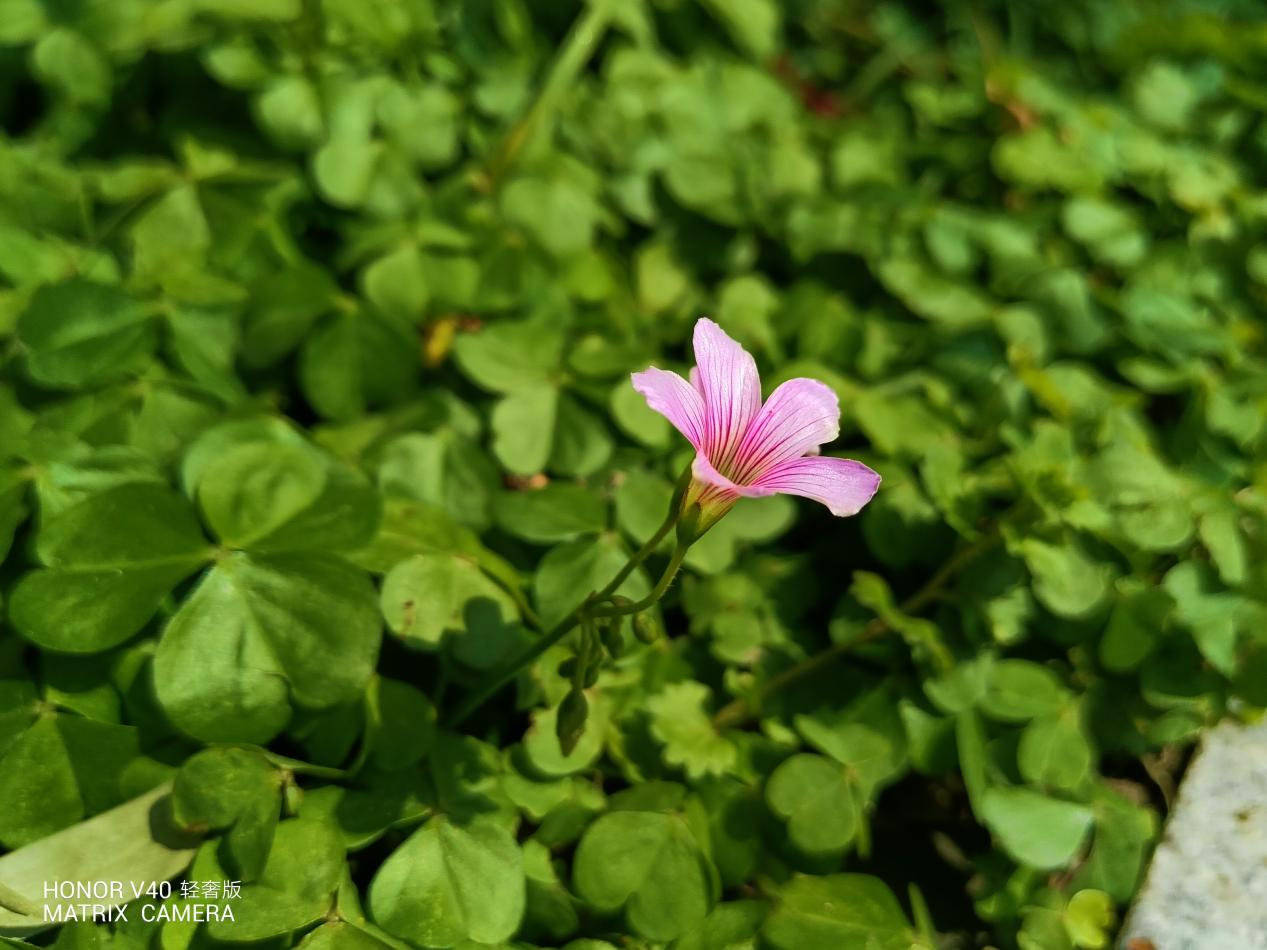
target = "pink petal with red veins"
x: 843, y: 485
x: 726, y: 376
x: 799, y: 416
x: 705, y: 472
x: 675, y: 399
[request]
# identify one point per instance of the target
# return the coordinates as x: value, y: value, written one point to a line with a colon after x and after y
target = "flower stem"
x: 568, y: 623
x: 743, y: 709
x: 662, y: 585
x: 639, y: 556
x: 516, y: 594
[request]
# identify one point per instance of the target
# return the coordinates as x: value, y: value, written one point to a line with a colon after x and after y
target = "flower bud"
x: 645, y: 627
x: 609, y: 632
x: 570, y: 722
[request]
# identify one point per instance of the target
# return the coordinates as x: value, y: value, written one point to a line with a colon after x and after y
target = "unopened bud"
x: 613, y: 642
x: 645, y: 627
x: 570, y: 722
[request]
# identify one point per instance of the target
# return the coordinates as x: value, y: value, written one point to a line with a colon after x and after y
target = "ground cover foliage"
x: 317, y: 318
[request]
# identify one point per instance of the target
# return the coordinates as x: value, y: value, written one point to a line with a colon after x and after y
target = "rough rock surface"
x: 1207, y: 887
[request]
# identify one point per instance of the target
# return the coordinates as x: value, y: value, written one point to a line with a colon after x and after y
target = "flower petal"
x: 675, y: 399
x: 799, y: 416
x: 704, y: 471
x: 726, y: 376
x: 843, y: 485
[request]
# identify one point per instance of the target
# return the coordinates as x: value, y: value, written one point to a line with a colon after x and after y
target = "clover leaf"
x: 449, y: 883
x: 649, y: 864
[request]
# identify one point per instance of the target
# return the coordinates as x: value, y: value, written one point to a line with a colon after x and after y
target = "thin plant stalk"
x: 565, y: 626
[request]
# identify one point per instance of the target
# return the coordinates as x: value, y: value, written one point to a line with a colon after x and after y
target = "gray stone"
x: 1207, y: 886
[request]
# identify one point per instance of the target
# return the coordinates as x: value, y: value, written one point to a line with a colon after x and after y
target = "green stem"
x: 662, y: 585
x: 639, y: 556
x: 564, y: 626
x: 743, y: 709
x: 521, y: 602
x: 578, y: 46
x: 526, y: 656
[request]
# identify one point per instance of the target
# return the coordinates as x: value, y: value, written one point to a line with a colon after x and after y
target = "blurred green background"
x: 316, y: 320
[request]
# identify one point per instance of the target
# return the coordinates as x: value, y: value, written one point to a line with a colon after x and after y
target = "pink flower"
x: 746, y: 449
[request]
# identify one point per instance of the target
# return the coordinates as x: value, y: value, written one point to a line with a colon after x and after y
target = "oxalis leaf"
x: 355, y: 360
x: 340, y: 935
x: 445, y: 468
x: 295, y: 887
x: 406, y: 726
x: 650, y: 865
x: 263, y: 632
x: 1017, y: 690
x: 558, y: 512
x: 12, y: 510
x: 56, y: 769
x: 1054, y: 751
x: 234, y: 789
x: 510, y: 356
x: 82, y: 333
x: 430, y: 595
x: 679, y: 719
x: 282, y: 494
x: 523, y: 424
x: 1039, y: 831
x: 819, y: 802
x: 838, y: 912
x: 450, y: 883
x: 110, y: 560
x: 134, y: 844
x: 1067, y: 579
